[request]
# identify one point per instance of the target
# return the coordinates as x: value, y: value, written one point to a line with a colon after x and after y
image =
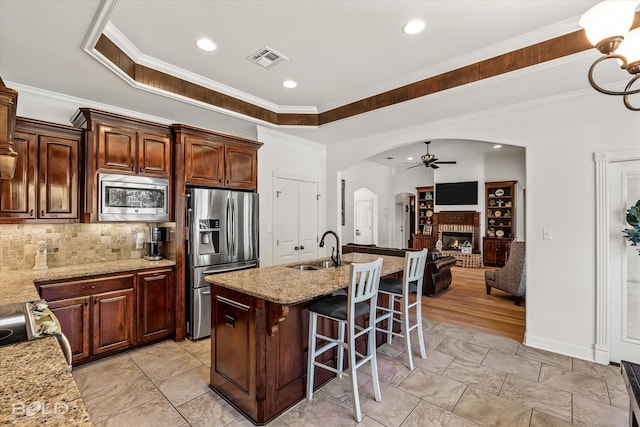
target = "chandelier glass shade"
x: 607, y: 27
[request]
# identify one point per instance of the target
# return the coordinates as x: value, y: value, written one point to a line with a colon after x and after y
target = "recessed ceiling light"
x: 206, y: 44
x: 409, y: 158
x: 289, y: 84
x: 497, y: 146
x: 413, y: 27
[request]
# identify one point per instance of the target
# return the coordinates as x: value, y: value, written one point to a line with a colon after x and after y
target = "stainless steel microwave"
x: 133, y: 198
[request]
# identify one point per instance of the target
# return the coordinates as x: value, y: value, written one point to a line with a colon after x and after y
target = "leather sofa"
x: 437, y: 272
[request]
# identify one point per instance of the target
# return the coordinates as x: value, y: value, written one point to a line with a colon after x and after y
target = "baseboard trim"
x: 584, y: 353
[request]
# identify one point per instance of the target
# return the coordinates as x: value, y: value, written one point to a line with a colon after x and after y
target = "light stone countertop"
x: 284, y: 285
x: 18, y: 285
x: 35, y: 372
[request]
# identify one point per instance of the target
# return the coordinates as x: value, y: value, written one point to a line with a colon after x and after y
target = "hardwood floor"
x: 466, y: 303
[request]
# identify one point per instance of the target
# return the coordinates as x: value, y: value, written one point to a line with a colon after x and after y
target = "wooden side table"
x: 631, y: 375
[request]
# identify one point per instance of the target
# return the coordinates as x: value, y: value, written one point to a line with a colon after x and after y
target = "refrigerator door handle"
x: 228, y: 228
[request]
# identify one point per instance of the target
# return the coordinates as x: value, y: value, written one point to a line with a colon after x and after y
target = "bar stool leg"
x: 371, y: 343
x: 352, y: 374
x: 390, y: 321
x: 423, y: 351
x: 313, y: 323
x: 341, y: 326
x: 406, y: 331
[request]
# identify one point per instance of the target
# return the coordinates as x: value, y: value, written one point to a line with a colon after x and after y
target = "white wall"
x: 560, y: 135
x: 376, y: 178
x: 290, y: 157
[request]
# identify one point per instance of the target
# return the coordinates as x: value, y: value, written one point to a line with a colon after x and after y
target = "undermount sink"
x: 319, y: 265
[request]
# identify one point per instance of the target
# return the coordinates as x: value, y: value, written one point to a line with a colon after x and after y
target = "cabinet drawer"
x: 85, y: 286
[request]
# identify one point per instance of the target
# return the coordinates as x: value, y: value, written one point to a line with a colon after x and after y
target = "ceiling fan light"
x: 608, y: 21
x: 630, y: 49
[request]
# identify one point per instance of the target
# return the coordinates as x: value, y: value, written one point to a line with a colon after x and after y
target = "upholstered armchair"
x: 511, y: 278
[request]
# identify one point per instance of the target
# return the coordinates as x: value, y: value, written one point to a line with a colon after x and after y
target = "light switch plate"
x: 547, y: 234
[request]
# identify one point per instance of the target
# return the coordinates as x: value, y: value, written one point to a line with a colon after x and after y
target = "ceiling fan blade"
x: 452, y: 162
x: 414, y: 166
x: 433, y: 159
x: 434, y: 166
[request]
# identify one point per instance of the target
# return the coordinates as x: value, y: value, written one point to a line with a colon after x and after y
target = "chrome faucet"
x: 336, y: 259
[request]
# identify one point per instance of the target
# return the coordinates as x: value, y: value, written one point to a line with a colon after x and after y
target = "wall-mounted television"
x: 457, y: 193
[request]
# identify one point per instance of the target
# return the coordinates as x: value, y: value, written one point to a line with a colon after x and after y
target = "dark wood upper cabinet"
x: 121, y: 145
x: 241, y: 167
x: 57, y: 177
x: 18, y: 195
x: 204, y: 161
x: 46, y: 183
x: 216, y: 160
x: 116, y: 148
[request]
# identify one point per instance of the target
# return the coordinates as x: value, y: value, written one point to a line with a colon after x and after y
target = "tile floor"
x: 469, y: 378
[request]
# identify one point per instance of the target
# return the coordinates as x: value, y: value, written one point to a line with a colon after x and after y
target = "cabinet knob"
x: 42, y: 213
x: 86, y: 303
x: 301, y: 247
x: 31, y: 212
x: 295, y: 248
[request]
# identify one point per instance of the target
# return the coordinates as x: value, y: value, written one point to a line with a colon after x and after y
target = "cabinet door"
x: 73, y: 314
x: 18, y: 195
x: 490, y: 251
x: 57, y: 177
x: 241, y: 167
x: 155, y: 304
x: 116, y: 151
x: 154, y: 154
x: 502, y: 252
x: 113, y: 320
x: 204, y: 162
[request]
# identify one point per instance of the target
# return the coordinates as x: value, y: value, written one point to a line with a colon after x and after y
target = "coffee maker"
x: 153, y: 246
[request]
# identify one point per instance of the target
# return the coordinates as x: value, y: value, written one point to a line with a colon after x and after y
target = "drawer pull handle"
x: 91, y: 287
x: 230, y: 320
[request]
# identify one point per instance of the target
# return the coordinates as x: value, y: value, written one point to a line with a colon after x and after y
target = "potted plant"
x: 491, y: 232
x: 633, y: 219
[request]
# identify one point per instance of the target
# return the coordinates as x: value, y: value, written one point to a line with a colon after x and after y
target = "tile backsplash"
x: 68, y: 244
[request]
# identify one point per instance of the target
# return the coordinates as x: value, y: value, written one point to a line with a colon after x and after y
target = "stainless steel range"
x: 28, y: 321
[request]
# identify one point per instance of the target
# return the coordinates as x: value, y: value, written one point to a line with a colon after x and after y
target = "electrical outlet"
x: 547, y: 234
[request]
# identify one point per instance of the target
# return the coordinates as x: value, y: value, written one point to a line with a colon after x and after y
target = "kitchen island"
x: 259, y: 331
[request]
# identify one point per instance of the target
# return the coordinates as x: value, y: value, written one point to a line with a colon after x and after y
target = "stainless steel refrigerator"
x: 223, y: 236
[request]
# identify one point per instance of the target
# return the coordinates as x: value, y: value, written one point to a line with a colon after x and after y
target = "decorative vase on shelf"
x: 466, y: 248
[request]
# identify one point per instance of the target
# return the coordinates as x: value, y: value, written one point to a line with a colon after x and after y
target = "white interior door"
x: 295, y: 220
x: 364, y: 222
x: 308, y: 220
x: 398, y: 225
x: 624, y: 268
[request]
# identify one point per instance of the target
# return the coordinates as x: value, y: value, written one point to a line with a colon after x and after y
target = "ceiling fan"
x: 430, y: 160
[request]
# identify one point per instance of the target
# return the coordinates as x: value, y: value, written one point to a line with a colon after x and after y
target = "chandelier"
x: 607, y: 26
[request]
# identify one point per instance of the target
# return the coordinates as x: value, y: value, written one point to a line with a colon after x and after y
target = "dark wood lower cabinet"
x: 74, y: 315
x: 113, y: 320
x: 259, y: 353
x: 102, y: 315
x: 496, y: 251
x: 155, y: 304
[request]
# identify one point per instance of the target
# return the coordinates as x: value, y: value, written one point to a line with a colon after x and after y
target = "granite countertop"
x: 283, y: 285
x: 36, y: 387
x: 35, y: 372
x: 18, y: 285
